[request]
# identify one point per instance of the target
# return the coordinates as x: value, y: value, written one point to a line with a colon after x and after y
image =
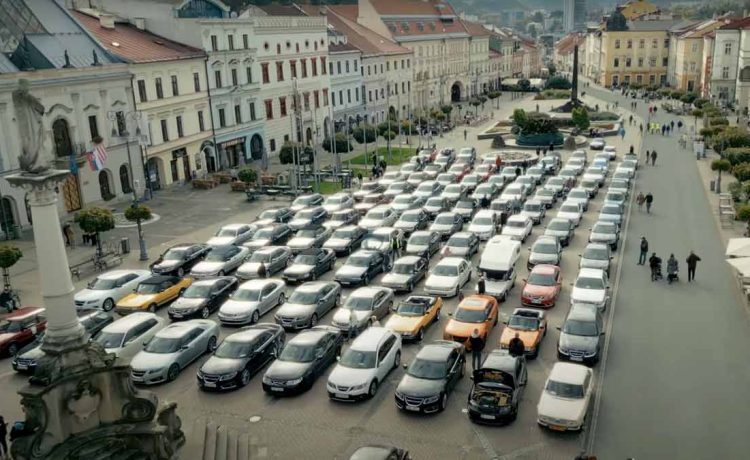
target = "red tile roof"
x: 411, y: 27
x: 475, y: 29
x: 135, y: 45
x: 413, y: 7
x: 737, y: 24
x: 341, y: 47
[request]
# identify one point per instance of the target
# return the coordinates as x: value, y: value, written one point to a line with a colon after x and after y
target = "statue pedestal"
x: 80, y: 403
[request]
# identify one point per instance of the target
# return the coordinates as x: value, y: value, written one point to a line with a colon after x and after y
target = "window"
x: 617, y: 44
x: 293, y: 68
x: 237, y: 114
x: 303, y: 63
x: 307, y: 101
x: 349, y: 96
x: 217, y: 78
x: 356, y: 94
x: 333, y: 98
x: 652, y: 80
x: 230, y: 39
x: 272, y: 142
x: 125, y: 182
x: 692, y: 66
x: 640, y: 62
x: 214, y: 43
x: 196, y: 82
x: 356, y: 65
x: 235, y: 81
x: 654, y: 43
x: 617, y: 62
x: 341, y: 96
x: 665, y: 62
x: 330, y: 68
x: 120, y: 120
x: 249, y: 74
x: 725, y: 73
x: 403, y: 87
x: 282, y: 106
x: 325, y: 97
x: 269, y: 109
x: 252, y: 111
x: 222, y: 118
x: 388, y: 66
x: 159, y: 90
x: 245, y: 41
x: 164, y: 131
x: 727, y: 48
x: 641, y: 43
x: 323, y: 65
x: 142, y: 90
x: 264, y: 72
x: 652, y: 61
x: 279, y: 71
x: 93, y: 126
x: 278, y: 48
x: 630, y: 43
x: 180, y: 132
x: 338, y: 67
x: 201, y: 121
x: 316, y: 98
x: 639, y: 79
x: 314, y: 63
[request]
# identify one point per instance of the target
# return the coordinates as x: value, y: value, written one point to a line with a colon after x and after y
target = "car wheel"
x: 180, y: 272
x: 13, y: 349
x: 282, y: 299
x: 255, y: 317
x: 373, y: 390
x: 397, y: 359
x: 313, y: 320
x: 108, y: 305
x: 443, y: 402
x: 245, y: 377
x: 152, y: 308
x: 204, y: 312
x: 420, y: 335
x: 174, y: 369
x: 211, y: 344
x: 366, y: 280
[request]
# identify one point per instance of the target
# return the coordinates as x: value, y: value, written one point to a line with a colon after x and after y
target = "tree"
x: 365, y: 132
x: 688, y: 98
x: 580, y: 118
x: 519, y: 117
x: 95, y: 221
x: 720, y: 166
x: 551, y: 70
x: 389, y: 136
x: 558, y: 82
x: 476, y: 103
x: 137, y: 212
x: 9, y: 255
x: 732, y: 136
x: 446, y: 109
x: 742, y: 172
x: 524, y: 84
x: 743, y: 214
x: 342, y: 144
x: 247, y: 175
x: 407, y: 127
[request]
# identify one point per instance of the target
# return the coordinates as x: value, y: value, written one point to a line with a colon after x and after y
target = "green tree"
x: 389, y: 136
x: 520, y: 117
x: 688, y: 98
x: 9, y: 255
x: 475, y: 102
x: 524, y: 84
x: 96, y: 220
x: 580, y: 118
x: 720, y: 166
x: 287, y: 152
x: 446, y: 109
x: 365, y: 132
x: 558, y: 82
x: 248, y: 175
x: 732, y: 136
x: 742, y: 172
x: 551, y: 70
x: 342, y: 144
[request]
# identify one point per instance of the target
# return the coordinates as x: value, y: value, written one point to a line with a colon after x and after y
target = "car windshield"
x: 564, y: 390
x: 411, y: 309
x: 534, y: 171
x: 227, y: 232
x: 559, y: 225
x: 420, y: 239
x: 397, y: 187
x: 343, y: 233
x: 556, y: 181
x: 175, y: 254
x: 444, y: 220
x: 523, y: 323
x: 589, y: 283
x: 583, y: 194
x: 425, y: 369
x: 515, y: 224
x: 466, y: 315
x: 251, y: 295
x: 446, y: 270
x: 588, y: 183
x: 403, y: 269
x: 541, y: 279
x: 495, y: 274
x: 358, y: 261
x: 482, y: 221
x: 298, y: 353
x: 403, y: 199
x: 303, y: 297
x: 219, y: 256
x: 307, y: 233
x: 233, y: 349
x: 368, y: 186
x: 614, y: 197
x: 260, y: 257
x: 359, y: 303
x: 372, y: 199
x: 545, y: 192
x: 148, y: 288
x: 335, y: 200
x: 604, y: 228
x: 306, y: 259
x: 596, y: 254
x: 268, y: 214
x: 100, y: 284
x: 197, y: 291
x: 110, y: 339
x: 569, y: 208
x: 583, y: 328
x: 434, y: 202
x: 263, y: 234
x: 305, y: 214
x: 471, y: 179
x: 304, y: 200
x: 426, y: 187
x: 465, y: 204
x: 545, y: 248
x: 377, y: 214
x: 611, y: 210
x: 484, y: 190
x: 458, y: 242
x: 453, y: 188
x: 533, y: 207
x: 410, y: 217
x: 358, y: 359
x: 163, y: 345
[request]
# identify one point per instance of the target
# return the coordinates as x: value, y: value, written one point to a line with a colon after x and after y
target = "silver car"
x: 611, y: 212
x: 560, y: 228
x: 545, y: 250
x: 251, y: 300
x: 342, y: 218
x: 435, y: 205
x: 403, y: 203
x: 380, y: 216
x: 308, y: 303
x: 235, y: 234
x: 306, y: 201
x: 308, y: 238
x: 596, y: 255
x: 172, y: 349
x: 605, y: 232
x: 308, y: 217
x: 220, y: 261
x: 366, y: 302
x: 274, y: 258
x: 447, y: 223
x: 338, y: 202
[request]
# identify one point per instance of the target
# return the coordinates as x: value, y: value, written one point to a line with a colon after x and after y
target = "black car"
x: 345, y: 239
x: 423, y: 244
x: 179, y: 259
x: 309, y: 265
x: 430, y: 377
x: 497, y: 388
x: 25, y: 360
x: 202, y: 298
x: 466, y: 209
x: 412, y: 221
x: 273, y: 235
x: 376, y: 452
x: 303, y: 360
x: 240, y: 356
x: 361, y: 267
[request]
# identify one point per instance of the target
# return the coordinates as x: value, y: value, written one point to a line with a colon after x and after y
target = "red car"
x: 19, y: 328
x: 460, y: 170
x: 485, y: 171
x: 542, y: 287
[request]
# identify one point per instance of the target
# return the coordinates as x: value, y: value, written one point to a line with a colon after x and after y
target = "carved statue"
x: 29, y: 112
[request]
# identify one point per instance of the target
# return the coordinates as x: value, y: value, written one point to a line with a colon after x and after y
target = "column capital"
x: 42, y: 187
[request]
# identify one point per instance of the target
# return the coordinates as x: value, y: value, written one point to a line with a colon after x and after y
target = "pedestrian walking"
x: 644, y: 251
x: 622, y: 132
x: 480, y: 284
x: 672, y: 269
x: 518, y: 171
x: 649, y: 202
x: 477, y: 345
x: 663, y: 128
x: 516, y: 346
x: 671, y: 124
x: 374, y: 321
x: 396, y: 247
x: 654, y: 263
x: 640, y: 199
x: 641, y: 128
x: 679, y: 125
x: 653, y: 158
x: 262, y: 272
x: 498, y: 163
x: 692, y: 262
x: 668, y: 129
x: 465, y: 134
x: 3, y: 442
x: 351, y: 332
x: 648, y: 156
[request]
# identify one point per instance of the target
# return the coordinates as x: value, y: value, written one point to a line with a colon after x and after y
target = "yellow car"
x: 152, y: 293
x: 414, y: 314
x: 531, y: 326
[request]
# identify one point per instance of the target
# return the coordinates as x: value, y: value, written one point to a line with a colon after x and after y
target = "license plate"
x: 341, y: 396
x: 576, y: 358
x: 487, y: 417
x: 209, y: 384
x: 557, y: 427
x: 412, y: 408
x: 276, y: 389
x: 22, y: 366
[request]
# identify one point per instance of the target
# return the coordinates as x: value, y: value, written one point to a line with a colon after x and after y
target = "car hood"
x: 587, y: 295
x: 560, y: 408
x: 376, y: 245
x: 578, y: 342
x: 264, y: 222
x: 416, y: 248
x: 603, y: 237
x: 332, y: 207
x: 405, y: 225
x: 249, y: 268
x: 371, y: 222
x: 568, y: 215
x: 6, y: 337
x: 85, y: 295
x: 298, y: 269
x: 455, y: 251
x: 395, y: 278
x: 477, y: 228
x: 398, y: 323
x: 287, y: 370
x: 167, y: 264
x: 538, y: 291
x: 441, y: 281
x: 350, y: 270
x: 347, y: 376
x: 594, y: 263
x: 254, y: 244
x: 342, y: 316
x: 231, y: 307
x: 496, y: 287
x: 34, y: 352
x: 187, y: 304
x: 515, y: 231
x: 220, y: 240
x: 337, y: 243
x: 460, y: 329
x: 297, y: 223
x: 529, y: 338
x: 538, y: 257
x: 413, y: 386
x: 207, y: 267
x: 136, y: 300
x: 300, y: 242
x: 144, y: 360
x: 216, y: 365
x: 294, y: 309
x: 440, y: 227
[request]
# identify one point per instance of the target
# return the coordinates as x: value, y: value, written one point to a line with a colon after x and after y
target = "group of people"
x: 673, y: 267
x: 378, y: 168
x: 651, y: 155
x: 516, y: 348
x: 648, y: 199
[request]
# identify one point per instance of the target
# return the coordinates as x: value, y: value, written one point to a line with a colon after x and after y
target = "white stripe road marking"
x: 486, y: 444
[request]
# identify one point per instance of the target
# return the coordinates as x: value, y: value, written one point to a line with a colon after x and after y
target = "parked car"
x: 305, y: 357
x: 345, y: 240
x: 431, y: 377
x: 605, y: 232
x: 152, y: 293
x: 542, y: 287
x: 556, y: 184
x: 232, y: 234
x: 591, y: 287
x: 306, y: 201
x: 274, y: 258
x: 545, y: 250
x: 308, y: 217
x: 497, y: 388
x: 309, y: 238
x: 572, y: 211
x: 392, y: 177
x: 19, y: 328
x: 531, y: 326
x: 308, y: 303
x: 579, y: 195
x: 534, y: 210
x: 407, y: 271
x: 104, y: 291
x: 448, y: 277
x: 414, y: 314
x: 272, y: 216
x: 566, y: 397
x: 309, y: 265
x: 338, y: 202
x: 397, y: 188
x: 424, y: 244
x: 596, y: 255
x: 220, y: 261
x: 447, y: 223
x: 461, y: 244
x: 251, y: 300
x: 370, y: 201
x: 453, y: 192
x: 435, y: 205
x: 202, y: 298
x: 380, y: 216
x: 475, y: 312
x: 412, y: 220
x: 517, y: 227
x: 562, y: 229
x: 366, y: 303
x: 466, y: 209
x: 342, y: 218
x: 582, y: 335
x: 445, y: 178
x: 402, y: 203
x: 273, y: 235
x: 368, y: 188
x: 428, y: 188
x: 361, y: 267
x: 611, y: 212
x: 172, y: 349
x: 471, y: 182
x: 597, y: 144
x: 240, y: 356
x: 179, y: 259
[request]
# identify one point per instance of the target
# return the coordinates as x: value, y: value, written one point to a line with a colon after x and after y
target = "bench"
x: 108, y: 260
x: 75, y: 269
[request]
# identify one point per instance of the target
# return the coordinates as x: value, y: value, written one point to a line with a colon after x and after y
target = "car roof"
x: 596, y: 246
x: 484, y: 212
x: 546, y: 239
x: 364, y: 253
x: 475, y: 302
x: 258, y: 283
x: 582, y: 312
x: 380, y: 207
x: 591, y: 273
x: 569, y: 373
x: 223, y: 249
x: 158, y: 279
x: 309, y: 337
x: 409, y: 260
x: 462, y: 234
x: 370, y: 338
x: 185, y: 246
x: 209, y: 281
x: 178, y: 330
x: 451, y: 261
x: 446, y: 213
x: 384, y: 230
x: 248, y: 333
x: 313, y: 285
x: 233, y: 226
x: 114, y: 274
x: 536, y: 202
x: 128, y: 322
x: 437, y: 351
x: 518, y: 217
x: 367, y: 291
x: 545, y: 269
x: 501, y: 360
x: 411, y: 211
x: 422, y: 232
x: 23, y: 313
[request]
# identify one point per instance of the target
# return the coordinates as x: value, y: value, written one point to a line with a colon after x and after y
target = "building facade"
x: 574, y: 15
x: 721, y: 59
x: 347, y: 105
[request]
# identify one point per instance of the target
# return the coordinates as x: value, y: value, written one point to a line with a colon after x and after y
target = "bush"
x: 580, y: 118
x: 365, y: 131
x: 742, y: 172
x: 389, y: 135
x: 408, y: 127
x: 737, y: 155
x: 603, y: 116
x: 557, y: 82
x: 248, y: 175
x: 447, y: 109
x: 732, y: 136
x: 286, y: 154
x: 709, y: 132
x: 9, y: 255
x: 342, y: 144
x: 700, y: 102
x: 524, y: 84
x: 743, y: 212
x: 718, y: 121
x: 498, y: 142
x: 137, y: 212
x: 677, y: 94
x: 519, y: 117
x: 494, y: 94
x: 697, y: 113
x: 688, y: 98
x: 553, y: 94
x: 95, y: 220
x: 735, y: 189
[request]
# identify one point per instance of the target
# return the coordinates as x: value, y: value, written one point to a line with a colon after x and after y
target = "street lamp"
x: 120, y: 129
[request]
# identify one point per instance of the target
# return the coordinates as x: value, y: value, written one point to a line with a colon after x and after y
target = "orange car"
x: 413, y: 315
x: 475, y: 312
x: 531, y: 326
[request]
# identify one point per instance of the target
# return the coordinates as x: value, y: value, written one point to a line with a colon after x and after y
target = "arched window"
x: 61, y: 135
x: 745, y: 74
x: 125, y: 179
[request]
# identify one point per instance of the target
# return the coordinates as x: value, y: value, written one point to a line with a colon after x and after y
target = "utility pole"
x: 388, y: 116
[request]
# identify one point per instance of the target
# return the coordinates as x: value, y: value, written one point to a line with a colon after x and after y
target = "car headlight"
x: 89, y: 302
x: 228, y: 376
x: 359, y: 387
x: 431, y: 399
x: 294, y: 382
x: 154, y: 371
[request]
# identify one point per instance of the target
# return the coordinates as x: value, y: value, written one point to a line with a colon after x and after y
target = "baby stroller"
x: 672, y: 275
x: 656, y: 273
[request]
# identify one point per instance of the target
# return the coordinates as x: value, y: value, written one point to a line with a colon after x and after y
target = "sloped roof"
x: 280, y: 10
x: 737, y: 24
x: 341, y: 47
x: 475, y: 29
x: 704, y: 28
x: 6, y: 66
x: 413, y: 7
x: 409, y: 28
x: 135, y: 45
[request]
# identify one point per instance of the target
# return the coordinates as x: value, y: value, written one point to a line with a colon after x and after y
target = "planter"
x: 239, y: 186
x: 204, y: 184
x: 222, y: 178
x: 540, y: 140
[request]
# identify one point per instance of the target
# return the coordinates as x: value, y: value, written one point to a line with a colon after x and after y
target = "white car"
x: 365, y: 365
x: 627, y: 167
x: 405, y: 202
x: 579, y: 195
x: 220, y: 261
x: 390, y: 177
x: 338, y: 202
x: 484, y: 224
x: 428, y: 188
x: 591, y: 287
x: 448, y: 277
x: 566, y: 397
x: 536, y: 172
x: 556, y: 184
x: 572, y: 211
x: 379, y: 216
x: 125, y: 337
x: 534, y: 210
x: 596, y: 255
x: 416, y: 178
x: 453, y: 192
x: 108, y: 288
x: 613, y: 197
x: 619, y: 185
x: 484, y: 190
x: 595, y: 173
x: 546, y: 196
x: 445, y: 179
x: 251, y: 300
x: 514, y: 191
x: 508, y: 173
x: 232, y: 234
x: 580, y: 153
x: 597, y: 144
x: 611, y: 151
x: 576, y: 164
x: 518, y: 227
x: 611, y: 212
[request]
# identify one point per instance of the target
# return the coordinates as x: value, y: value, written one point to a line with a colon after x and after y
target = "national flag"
x: 101, y: 153
x: 73, y: 164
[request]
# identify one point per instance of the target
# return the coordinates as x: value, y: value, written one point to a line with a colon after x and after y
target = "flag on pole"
x: 97, y: 157
x: 73, y: 164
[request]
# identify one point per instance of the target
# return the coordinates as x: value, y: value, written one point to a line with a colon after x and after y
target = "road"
x: 677, y: 375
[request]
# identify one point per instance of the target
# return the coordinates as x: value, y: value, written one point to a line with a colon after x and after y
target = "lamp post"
x: 120, y: 129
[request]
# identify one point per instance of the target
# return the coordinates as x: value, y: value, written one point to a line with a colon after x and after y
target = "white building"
x: 346, y: 83
x: 722, y: 56
x: 574, y: 15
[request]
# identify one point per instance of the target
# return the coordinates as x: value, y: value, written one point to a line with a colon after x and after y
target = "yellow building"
x: 639, y: 54
x: 686, y: 72
x: 634, y: 9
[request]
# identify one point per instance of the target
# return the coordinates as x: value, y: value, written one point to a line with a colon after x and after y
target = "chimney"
x: 140, y: 23
x: 107, y: 21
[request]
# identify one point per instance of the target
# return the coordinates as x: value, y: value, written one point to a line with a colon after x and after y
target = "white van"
x: 126, y: 336
x: 498, y: 265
